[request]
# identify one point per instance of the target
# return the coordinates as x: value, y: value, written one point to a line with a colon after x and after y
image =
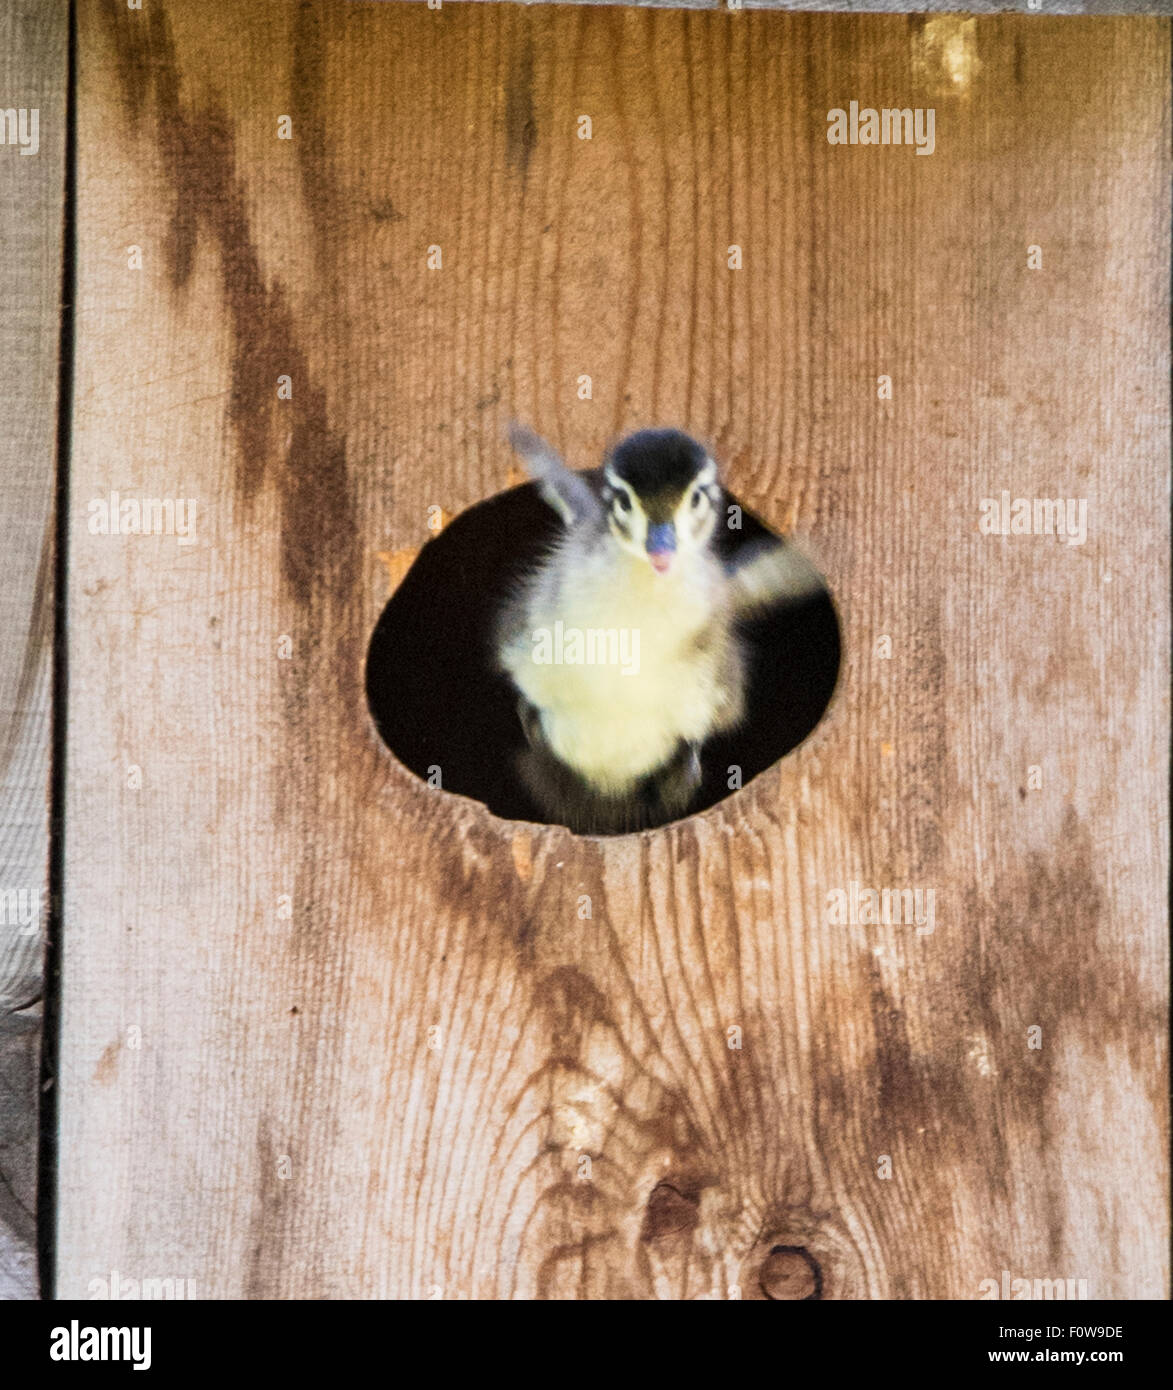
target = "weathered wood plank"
x: 250, y: 1097
x: 33, y: 42
x: 982, y: 7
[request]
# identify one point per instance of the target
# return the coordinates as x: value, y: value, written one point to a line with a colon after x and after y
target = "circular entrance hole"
x: 451, y: 717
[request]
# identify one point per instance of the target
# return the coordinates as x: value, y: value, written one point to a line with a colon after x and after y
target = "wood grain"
x: 901, y: 7
x: 33, y: 40
x: 376, y: 1038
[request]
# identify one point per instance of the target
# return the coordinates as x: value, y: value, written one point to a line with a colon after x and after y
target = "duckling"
x: 623, y: 642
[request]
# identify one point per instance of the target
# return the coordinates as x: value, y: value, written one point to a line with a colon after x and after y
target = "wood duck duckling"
x: 623, y: 642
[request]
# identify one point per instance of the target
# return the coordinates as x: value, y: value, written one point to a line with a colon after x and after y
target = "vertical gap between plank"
x: 51, y: 1030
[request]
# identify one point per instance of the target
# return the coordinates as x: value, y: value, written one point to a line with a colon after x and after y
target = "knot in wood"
x: 791, y: 1272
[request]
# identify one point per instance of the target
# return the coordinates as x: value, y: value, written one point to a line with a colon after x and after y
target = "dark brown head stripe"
x: 659, y: 466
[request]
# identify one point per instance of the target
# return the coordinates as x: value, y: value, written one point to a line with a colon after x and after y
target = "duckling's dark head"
x: 662, y: 496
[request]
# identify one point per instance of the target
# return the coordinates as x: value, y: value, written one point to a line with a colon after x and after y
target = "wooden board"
x: 901, y: 7
x: 33, y: 41
x: 327, y: 1032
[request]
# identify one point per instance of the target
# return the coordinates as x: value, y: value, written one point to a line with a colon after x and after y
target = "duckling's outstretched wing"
x: 768, y: 572
x: 568, y: 492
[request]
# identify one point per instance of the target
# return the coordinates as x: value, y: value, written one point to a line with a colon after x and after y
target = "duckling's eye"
x: 623, y: 502
x: 695, y: 500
